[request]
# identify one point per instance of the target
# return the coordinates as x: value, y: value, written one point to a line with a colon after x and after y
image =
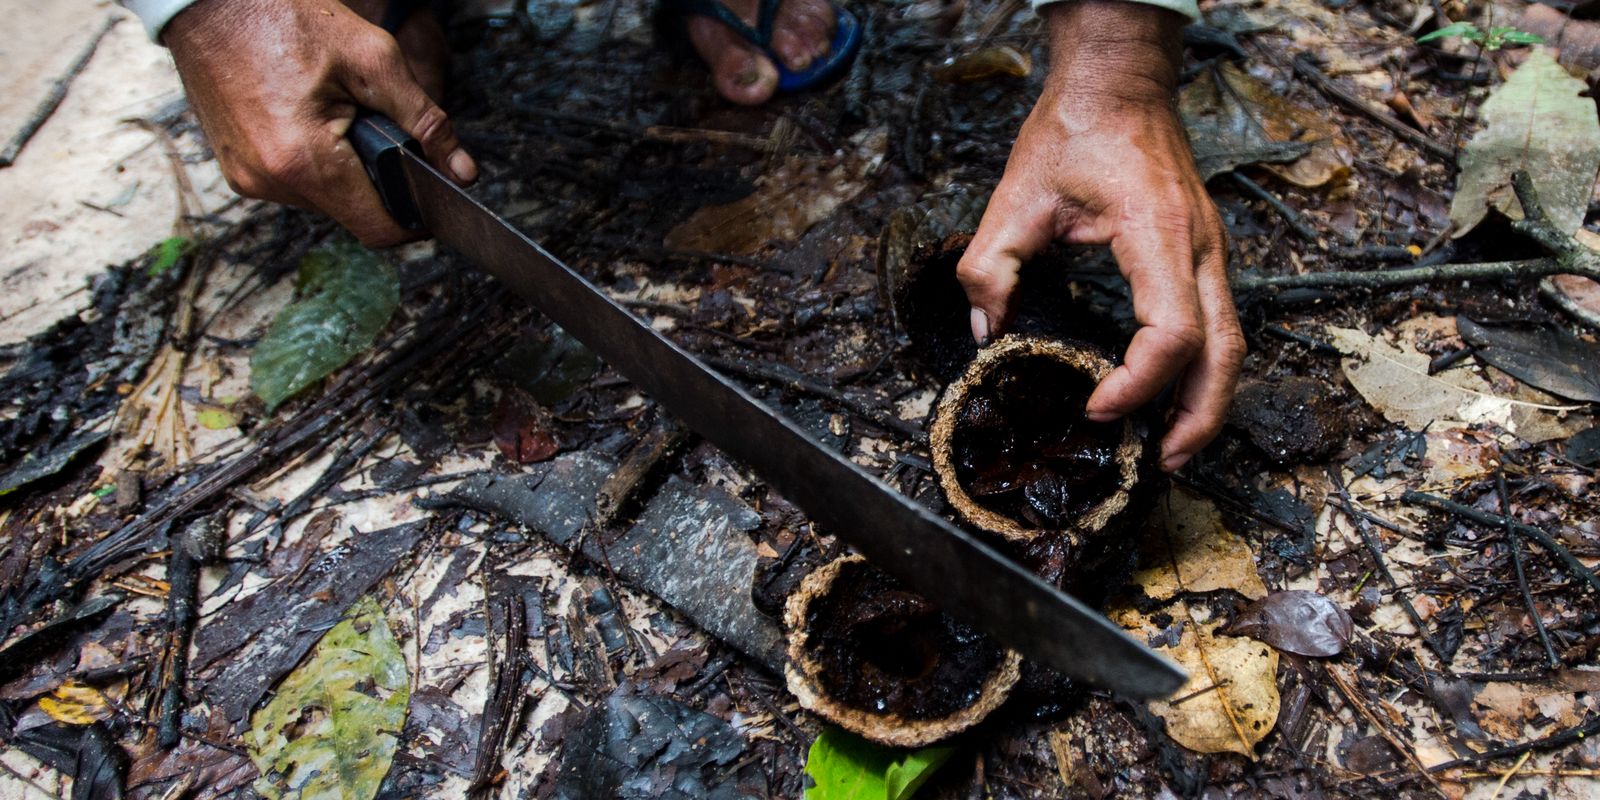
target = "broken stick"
x: 52, y: 100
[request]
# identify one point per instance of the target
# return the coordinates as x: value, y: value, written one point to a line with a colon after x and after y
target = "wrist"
x: 1113, y: 54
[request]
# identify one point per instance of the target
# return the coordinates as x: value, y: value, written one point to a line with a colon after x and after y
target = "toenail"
x: 749, y: 76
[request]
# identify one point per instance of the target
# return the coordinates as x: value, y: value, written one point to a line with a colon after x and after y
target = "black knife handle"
x: 378, y: 140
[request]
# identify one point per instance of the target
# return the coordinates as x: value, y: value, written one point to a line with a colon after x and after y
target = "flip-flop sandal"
x: 846, y: 38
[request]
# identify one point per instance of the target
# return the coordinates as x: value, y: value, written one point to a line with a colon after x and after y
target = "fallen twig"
x: 1545, y: 540
x: 1567, y: 256
x: 52, y: 100
x: 1515, y: 544
x: 1355, y: 702
x: 1306, y: 69
x: 1370, y: 539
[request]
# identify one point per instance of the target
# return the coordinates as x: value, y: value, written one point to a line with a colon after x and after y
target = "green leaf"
x: 1465, y: 30
x: 347, y: 294
x: 1514, y: 36
x: 167, y: 254
x: 331, y: 730
x: 847, y: 767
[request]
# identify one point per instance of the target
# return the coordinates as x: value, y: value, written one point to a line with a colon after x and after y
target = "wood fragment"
x: 647, y: 457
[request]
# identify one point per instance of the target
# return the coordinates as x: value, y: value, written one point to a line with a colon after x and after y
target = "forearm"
x: 1113, y: 51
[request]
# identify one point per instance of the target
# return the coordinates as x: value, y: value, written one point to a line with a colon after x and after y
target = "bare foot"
x: 742, y: 73
x: 422, y: 41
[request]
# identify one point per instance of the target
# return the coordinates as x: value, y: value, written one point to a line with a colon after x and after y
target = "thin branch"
x: 52, y: 100
x: 1515, y: 544
x: 1545, y: 540
x: 1327, y: 86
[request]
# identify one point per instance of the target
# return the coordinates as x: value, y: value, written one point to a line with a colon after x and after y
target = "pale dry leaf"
x: 796, y: 195
x: 1231, y: 701
x: 1537, y: 122
x: 1189, y: 549
x: 1394, y: 379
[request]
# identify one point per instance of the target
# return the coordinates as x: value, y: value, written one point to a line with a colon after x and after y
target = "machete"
x: 967, y: 578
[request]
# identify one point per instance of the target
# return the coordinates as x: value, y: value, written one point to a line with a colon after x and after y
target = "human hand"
x: 277, y: 85
x: 1103, y: 159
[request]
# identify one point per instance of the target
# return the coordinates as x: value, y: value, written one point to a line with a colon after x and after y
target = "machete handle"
x: 378, y: 141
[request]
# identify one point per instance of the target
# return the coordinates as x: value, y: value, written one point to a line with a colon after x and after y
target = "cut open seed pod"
x: 884, y: 663
x: 1014, y: 452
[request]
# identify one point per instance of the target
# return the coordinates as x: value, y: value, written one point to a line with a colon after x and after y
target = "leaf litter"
x: 403, y: 423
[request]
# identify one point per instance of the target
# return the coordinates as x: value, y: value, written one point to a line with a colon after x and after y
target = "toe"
x: 796, y: 51
x: 740, y: 74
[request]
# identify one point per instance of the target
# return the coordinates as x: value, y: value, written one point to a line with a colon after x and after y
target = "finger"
x: 1156, y: 256
x: 1208, y: 386
x: 344, y: 192
x: 379, y: 79
x: 1012, y: 231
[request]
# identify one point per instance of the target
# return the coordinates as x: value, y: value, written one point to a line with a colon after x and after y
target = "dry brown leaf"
x: 1394, y: 379
x: 799, y: 193
x: 1282, y: 121
x: 1230, y: 702
x: 1191, y: 550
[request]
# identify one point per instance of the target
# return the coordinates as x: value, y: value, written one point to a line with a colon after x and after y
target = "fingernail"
x: 980, y: 326
x: 1102, y: 416
x: 749, y: 75
x: 1173, y: 462
x: 465, y: 169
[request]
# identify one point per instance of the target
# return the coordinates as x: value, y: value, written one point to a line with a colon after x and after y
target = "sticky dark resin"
x: 1023, y: 448
x: 881, y: 648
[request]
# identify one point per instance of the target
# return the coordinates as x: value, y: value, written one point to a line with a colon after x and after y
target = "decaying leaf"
x: 332, y: 728
x: 1189, y: 549
x: 1234, y: 120
x: 847, y: 767
x: 1546, y: 357
x: 75, y: 704
x: 1296, y: 621
x: 980, y: 65
x: 347, y: 294
x: 1231, y: 701
x: 1395, y: 380
x: 1537, y: 121
x: 799, y: 193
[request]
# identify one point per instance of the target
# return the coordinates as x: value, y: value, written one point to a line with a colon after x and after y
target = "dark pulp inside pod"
x: 881, y: 648
x: 1023, y: 448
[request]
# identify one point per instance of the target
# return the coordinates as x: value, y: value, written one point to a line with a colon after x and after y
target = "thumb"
x: 1009, y: 234
x: 385, y: 85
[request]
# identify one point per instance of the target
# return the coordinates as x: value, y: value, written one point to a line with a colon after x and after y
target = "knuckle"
x: 432, y: 125
x: 1231, y: 348
x: 285, y: 165
x: 1186, y: 337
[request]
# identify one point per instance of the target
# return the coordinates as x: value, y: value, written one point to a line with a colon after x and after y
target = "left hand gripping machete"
x: 965, y: 577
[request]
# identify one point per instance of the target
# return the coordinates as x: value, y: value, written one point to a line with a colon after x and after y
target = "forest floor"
x: 407, y: 580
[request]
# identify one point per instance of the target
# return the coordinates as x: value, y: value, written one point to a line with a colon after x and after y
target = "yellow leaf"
x: 1190, y: 550
x: 75, y: 704
x: 1231, y: 701
x: 216, y: 419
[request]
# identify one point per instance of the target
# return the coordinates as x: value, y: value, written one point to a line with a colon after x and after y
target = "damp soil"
x: 882, y: 648
x: 1023, y: 447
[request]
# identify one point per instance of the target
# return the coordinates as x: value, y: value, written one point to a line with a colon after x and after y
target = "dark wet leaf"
x: 1545, y: 357
x: 549, y: 365
x: 646, y: 746
x: 50, y: 460
x: 1584, y: 447
x: 847, y: 767
x: 1226, y: 125
x: 1296, y: 621
x: 522, y: 429
x: 347, y: 294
